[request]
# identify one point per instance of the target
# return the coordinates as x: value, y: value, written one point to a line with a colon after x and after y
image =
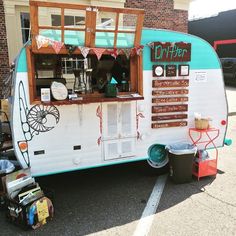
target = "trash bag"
x: 181, y: 148
x: 6, y: 167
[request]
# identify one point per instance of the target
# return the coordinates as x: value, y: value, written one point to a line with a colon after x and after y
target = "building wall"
x: 220, y: 27
x: 4, y: 62
x: 165, y: 14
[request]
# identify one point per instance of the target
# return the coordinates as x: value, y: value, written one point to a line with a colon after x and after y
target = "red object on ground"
x: 206, y: 167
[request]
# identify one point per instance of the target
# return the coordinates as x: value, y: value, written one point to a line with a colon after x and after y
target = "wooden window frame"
x: 90, y: 21
x: 136, y: 80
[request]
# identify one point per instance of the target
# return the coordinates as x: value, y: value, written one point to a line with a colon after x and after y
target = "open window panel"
x: 85, y: 77
x: 79, y: 26
x: 84, y: 25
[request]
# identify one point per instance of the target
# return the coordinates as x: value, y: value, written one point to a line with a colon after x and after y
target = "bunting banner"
x: 57, y: 45
x: 119, y: 51
x: 113, y: 52
x: 99, y: 52
x: 84, y: 51
x: 151, y: 45
x: 42, y: 41
x: 126, y: 52
x: 139, y: 50
x: 70, y: 48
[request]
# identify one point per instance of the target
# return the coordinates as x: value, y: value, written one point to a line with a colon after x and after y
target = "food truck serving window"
x: 85, y: 49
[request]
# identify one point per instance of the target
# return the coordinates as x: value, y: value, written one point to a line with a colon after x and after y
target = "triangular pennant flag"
x: 41, y: 41
x: 139, y: 50
x: 151, y: 45
x: 132, y: 52
x: 99, y: 52
x: 57, y: 45
x: 70, y: 48
x: 84, y: 51
x: 113, y: 52
x: 119, y: 51
x: 126, y: 52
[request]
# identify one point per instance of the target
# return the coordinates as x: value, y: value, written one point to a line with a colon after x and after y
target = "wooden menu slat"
x: 170, y: 92
x: 169, y: 108
x: 169, y: 117
x: 171, y: 99
x: 170, y: 83
x: 169, y: 124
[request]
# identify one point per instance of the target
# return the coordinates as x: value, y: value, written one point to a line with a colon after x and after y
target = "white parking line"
x: 147, y: 217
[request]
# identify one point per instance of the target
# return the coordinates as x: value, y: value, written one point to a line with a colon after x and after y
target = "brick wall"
x: 4, y: 62
x: 161, y: 14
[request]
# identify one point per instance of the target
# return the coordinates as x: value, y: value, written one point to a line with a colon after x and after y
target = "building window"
x: 106, y: 21
x: 25, y: 26
x: 69, y: 20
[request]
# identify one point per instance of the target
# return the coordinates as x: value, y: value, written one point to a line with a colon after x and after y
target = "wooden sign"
x: 170, y: 92
x: 169, y: 124
x: 172, y: 99
x: 170, y: 70
x: 169, y: 108
x: 179, y: 51
x: 169, y: 117
x: 183, y: 70
x: 157, y: 70
x: 170, y: 83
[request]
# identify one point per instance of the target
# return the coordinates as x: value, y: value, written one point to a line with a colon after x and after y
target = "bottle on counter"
x: 124, y: 84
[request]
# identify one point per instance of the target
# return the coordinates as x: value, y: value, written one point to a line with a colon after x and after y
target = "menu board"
x: 170, y: 70
x: 170, y: 83
x: 169, y: 124
x: 169, y: 108
x: 170, y: 92
x: 171, y: 99
x: 169, y: 117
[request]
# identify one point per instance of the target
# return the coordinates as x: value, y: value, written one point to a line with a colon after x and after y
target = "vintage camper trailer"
x: 102, y: 93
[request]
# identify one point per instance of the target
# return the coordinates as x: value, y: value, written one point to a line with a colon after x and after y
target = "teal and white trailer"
x: 169, y: 77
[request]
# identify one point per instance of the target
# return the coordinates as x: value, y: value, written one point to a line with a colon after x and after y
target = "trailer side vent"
x: 78, y: 147
x: 39, y: 152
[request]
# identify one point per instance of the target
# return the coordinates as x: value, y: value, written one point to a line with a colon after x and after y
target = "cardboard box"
x: 5, y: 108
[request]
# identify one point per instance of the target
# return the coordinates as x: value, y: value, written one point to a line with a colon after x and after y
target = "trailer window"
x: 86, y: 78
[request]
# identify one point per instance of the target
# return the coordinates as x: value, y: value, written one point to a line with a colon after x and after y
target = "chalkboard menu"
x: 170, y: 70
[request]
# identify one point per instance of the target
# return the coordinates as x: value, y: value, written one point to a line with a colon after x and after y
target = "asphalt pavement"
x: 111, y: 200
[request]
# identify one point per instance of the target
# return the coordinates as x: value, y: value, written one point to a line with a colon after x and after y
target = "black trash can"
x: 181, y: 156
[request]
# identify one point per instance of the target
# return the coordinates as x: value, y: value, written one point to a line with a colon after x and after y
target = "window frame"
x: 23, y: 29
x: 90, y: 22
x: 136, y: 82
